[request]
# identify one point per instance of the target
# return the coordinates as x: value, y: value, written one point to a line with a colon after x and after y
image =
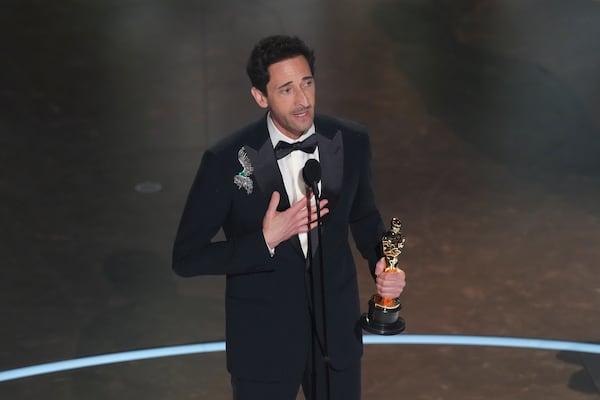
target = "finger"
x: 303, y: 229
x: 304, y: 201
x: 313, y: 225
x: 322, y: 204
x: 392, y: 276
x: 273, y: 203
x: 395, y: 287
x: 314, y: 217
x: 380, y: 266
x: 390, y: 295
x: 324, y: 210
x: 299, y: 204
x: 303, y: 215
x: 397, y: 275
x: 391, y: 286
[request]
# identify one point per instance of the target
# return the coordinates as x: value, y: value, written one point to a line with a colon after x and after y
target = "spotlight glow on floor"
x: 170, y: 351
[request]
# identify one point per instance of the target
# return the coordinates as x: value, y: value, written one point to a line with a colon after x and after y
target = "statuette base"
x: 382, y: 320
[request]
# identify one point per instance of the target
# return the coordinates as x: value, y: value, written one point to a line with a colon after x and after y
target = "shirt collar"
x: 276, y: 135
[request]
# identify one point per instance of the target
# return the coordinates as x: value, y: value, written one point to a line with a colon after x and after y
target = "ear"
x: 260, y: 98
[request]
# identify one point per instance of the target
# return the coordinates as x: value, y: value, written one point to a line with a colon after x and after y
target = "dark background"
x: 484, y: 119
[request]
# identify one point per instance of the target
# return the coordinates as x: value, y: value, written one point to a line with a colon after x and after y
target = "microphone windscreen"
x: 311, y: 172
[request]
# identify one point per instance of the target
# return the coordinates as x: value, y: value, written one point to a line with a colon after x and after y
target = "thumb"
x: 380, y: 266
x: 273, y: 203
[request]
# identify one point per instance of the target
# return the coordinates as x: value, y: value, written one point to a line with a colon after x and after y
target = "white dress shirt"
x: 291, y: 166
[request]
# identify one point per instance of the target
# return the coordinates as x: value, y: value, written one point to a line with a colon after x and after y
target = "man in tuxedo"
x: 250, y: 185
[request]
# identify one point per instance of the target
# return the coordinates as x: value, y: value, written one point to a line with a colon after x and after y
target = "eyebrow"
x: 306, y: 78
x: 284, y: 85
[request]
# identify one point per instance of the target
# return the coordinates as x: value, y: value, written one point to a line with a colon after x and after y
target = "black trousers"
x: 344, y: 385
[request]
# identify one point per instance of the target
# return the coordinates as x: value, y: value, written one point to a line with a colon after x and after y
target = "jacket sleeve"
x: 365, y: 220
x: 207, y: 209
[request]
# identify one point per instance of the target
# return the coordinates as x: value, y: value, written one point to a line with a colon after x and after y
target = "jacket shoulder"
x: 329, y: 124
x: 246, y: 135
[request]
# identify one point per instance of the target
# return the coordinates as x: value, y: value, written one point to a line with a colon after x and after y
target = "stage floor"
x: 484, y: 120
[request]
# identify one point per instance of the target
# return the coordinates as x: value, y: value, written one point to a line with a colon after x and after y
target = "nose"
x: 302, y: 98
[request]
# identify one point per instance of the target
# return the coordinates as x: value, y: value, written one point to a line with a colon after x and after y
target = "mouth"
x: 301, y: 114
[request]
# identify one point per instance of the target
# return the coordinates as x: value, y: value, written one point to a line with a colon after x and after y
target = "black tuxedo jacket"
x: 268, y: 324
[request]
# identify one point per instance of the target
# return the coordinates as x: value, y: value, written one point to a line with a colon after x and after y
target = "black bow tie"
x: 308, y: 145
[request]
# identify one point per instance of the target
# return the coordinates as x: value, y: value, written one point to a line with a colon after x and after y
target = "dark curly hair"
x: 271, y: 50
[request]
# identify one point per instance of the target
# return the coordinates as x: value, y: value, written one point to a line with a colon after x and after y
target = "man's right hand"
x: 280, y: 226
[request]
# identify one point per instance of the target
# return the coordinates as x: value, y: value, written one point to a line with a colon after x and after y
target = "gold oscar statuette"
x: 383, y: 317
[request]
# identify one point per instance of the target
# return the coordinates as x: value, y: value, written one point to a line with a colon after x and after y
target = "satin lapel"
x: 331, y: 155
x: 268, y: 178
x: 266, y: 172
x: 331, y: 158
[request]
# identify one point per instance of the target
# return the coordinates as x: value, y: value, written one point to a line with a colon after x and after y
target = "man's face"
x: 290, y: 96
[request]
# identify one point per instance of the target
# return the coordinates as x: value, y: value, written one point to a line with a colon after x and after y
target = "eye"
x: 286, y: 90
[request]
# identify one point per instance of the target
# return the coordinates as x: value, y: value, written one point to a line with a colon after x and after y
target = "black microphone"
x: 312, y: 175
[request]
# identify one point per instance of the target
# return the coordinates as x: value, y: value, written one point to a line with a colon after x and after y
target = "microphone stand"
x: 324, y: 346
x: 314, y: 336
